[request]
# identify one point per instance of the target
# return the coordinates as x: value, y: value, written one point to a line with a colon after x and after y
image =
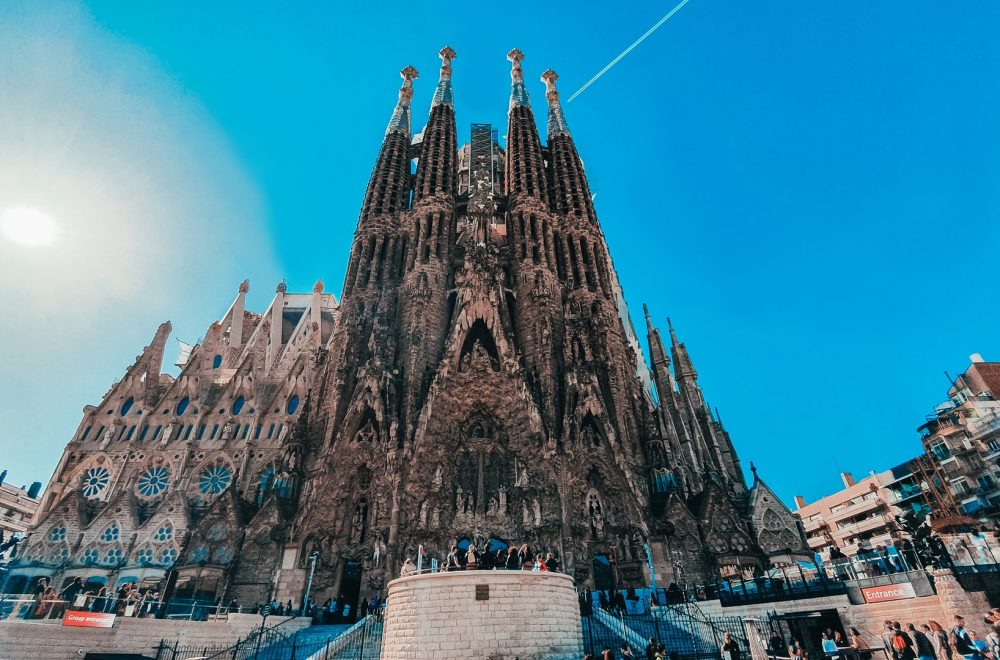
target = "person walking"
x: 961, y: 640
x: 730, y: 649
x: 859, y: 645
x: 901, y: 648
x: 939, y: 638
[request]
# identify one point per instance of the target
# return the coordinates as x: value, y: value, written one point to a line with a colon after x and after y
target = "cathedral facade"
x: 479, y: 382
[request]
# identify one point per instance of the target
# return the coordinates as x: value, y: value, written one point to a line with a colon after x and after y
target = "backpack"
x: 898, y: 643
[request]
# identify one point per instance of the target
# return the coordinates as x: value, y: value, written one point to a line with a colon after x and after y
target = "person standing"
x: 962, y: 640
x: 513, y: 562
x: 471, y: 558
x: 551, y: 563
x: 939, y: 637
x: 452, y: 563
x: 69, y: 594
x: 925, y: 650
x: 730, y: 649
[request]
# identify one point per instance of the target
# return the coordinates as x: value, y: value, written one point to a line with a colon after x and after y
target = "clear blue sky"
x: 810, y: 190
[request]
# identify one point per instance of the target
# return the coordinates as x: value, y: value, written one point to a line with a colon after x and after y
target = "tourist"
x: 901, y: 645
x: 607, y: 654
x: 409, y: 568
x: 45, y: 600
x: 730, y: 649
x: 982, y: 649
x: 551, y: 563
x: 651, y: 649
x: 524, y: 557
x: 512, y: 562
x: 925, y: 650
x: 452, y: 563
x: 795, y: 650
x: 471, y: 558
x: 603, y: 601
x: 625, y: 649
x: 960, y: 639
x: 859, y: 645
x: 538, y: 565
x: 69, y: 594
x: 939, y: 638
x: 100, y: 601
x: 829, y: 646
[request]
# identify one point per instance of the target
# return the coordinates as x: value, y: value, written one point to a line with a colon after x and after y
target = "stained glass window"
x: 215, y: 479
x: 293, y: 404
x: 111, y: 533
x: 238, y: 405
x: 57, y: 534
x: 90, y: 556
x: 60, y: 554
x: 217, y: 533
x: 217, y: 362
x: 113, y: 555
x: 182, y: 405
x: 199, y: 554
x: 144, y: 556
x: 223, y: 555
x: 127, y: 406
x: 95, y: 480
x: 168, y: 555
x: 164, y: 533
x: 153, y: 481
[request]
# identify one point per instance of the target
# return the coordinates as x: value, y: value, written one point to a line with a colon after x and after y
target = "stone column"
x: 956, y: 600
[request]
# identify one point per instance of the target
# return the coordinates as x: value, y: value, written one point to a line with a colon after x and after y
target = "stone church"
x: 479, y: 382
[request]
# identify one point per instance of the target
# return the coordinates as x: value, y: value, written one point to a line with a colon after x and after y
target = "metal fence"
x: 362, y: 641
x: 683, y: 630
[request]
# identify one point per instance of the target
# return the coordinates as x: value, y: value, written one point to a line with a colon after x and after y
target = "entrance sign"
x: 88, y: 619
x: 888, y: 592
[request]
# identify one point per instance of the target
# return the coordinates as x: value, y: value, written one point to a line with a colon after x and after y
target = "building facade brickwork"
x: 479, y: 382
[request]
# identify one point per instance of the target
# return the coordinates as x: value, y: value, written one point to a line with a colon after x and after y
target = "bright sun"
x: 27, y: 226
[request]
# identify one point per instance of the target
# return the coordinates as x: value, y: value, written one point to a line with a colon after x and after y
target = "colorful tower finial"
x: 557, y: 121
x: 518, y: 92
x: 443, y: 95
x: 400, y: 121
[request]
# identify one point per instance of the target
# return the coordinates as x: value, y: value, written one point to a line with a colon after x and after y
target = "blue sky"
x: 808, y: 189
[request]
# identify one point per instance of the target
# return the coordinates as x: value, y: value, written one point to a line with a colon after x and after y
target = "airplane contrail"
x: 628, y: 50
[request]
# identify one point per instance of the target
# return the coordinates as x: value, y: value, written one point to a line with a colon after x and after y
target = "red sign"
x: 88, y: 619
x: 888, y: 592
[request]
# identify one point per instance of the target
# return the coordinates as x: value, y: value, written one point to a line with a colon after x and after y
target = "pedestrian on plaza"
x: 551, y: 563
x: 602, y: 600
x: 513, y: 562
x: 939, y: 638
x: 980, y: 645
x: 74, y: 589
x: 961, y: 641
x: 730, y: 649
x: 859, y: 645
x: 902, y: 645
x: 925, y: 650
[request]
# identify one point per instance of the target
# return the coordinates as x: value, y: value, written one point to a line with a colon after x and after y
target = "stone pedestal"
x: 499, y: 615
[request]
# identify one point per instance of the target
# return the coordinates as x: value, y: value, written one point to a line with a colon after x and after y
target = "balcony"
x: 849, y: 529
x: 856, y: 509
x: 813, y: 525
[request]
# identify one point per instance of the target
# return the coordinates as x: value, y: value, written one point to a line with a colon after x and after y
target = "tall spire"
x: 518, y: 92
x: 443, y: 94
x: 400, y: 121
x: 557, y: 121
x: 683, y: 366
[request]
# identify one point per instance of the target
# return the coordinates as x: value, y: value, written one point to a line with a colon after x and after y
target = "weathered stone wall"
x: 26, y: 640
x: 529, y: 616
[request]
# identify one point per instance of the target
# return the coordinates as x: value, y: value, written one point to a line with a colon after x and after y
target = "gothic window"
x: 57, y: 534
x: 167, y: 555
x: 164, y: 532
x: 199, y: 555
x: 217, y: 533
x: 217, y: 362
x: 127, y: 406
x: 663, y: 480
x: 293, y: 404
x: 90, y: 556
x: 182, y: 405
x: 215, y: 479
x: 59, y: 555
x: 222, y: 555
x: 113, y: 555
x: 153, y: 481
x: 111, y: 533
x: 656, y: 455
x: 238, y: 405
x: 479, y: 350
x: 264, y: 483
x: 144, y: 555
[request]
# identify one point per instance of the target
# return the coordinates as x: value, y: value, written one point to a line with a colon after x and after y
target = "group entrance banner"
x: 888, y: 592
x: 88, y: 619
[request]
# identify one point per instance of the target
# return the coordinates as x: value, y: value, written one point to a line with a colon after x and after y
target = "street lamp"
x: 312, y: 571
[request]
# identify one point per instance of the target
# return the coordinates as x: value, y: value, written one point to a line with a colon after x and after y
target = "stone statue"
x: 168, y: 433
x: 227, y: 431
x: 438, y: 478
x: 423, y: 513
x: 491, y: 507
x: 459, y: 500
x: 536, y: 508
x: 379, y: 548
x: 503, y: 500
x: 435, y: 518
x: 471, y: 504
x: 358, y: 522
x: 596, y: 516
x: 522, y: 477
x: 525, y: 514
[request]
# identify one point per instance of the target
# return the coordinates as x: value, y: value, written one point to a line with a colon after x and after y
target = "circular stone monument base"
x: 488, y: 615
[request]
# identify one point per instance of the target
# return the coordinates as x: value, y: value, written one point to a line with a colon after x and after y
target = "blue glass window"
x: 90, y: 556
x: 57, y: 534
x: 199, y: 554
x: 168, y: 555
x: 95, y: 480
x: 217, y: 362
x: 293, y: 404
x: 145, y: 556
x: 215, y: 479
x: 113, y: 555
x: 127, y: 406
x: 238, y: 405
x: 111, y: 533
x: 153, y: 481
x: 182, y: 405
x: 164, y: 533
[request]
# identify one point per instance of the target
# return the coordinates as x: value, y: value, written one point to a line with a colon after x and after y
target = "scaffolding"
x: 481, y: 144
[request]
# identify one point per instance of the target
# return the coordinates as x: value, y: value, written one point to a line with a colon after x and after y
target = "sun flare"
x: 27, y: 226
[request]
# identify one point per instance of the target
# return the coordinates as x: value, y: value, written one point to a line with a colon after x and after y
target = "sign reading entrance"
x: 88, y: 619
x: 888, y: 592
x: 482, y: 592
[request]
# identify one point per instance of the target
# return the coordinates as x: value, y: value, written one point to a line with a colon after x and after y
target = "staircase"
x: 362, y: 641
